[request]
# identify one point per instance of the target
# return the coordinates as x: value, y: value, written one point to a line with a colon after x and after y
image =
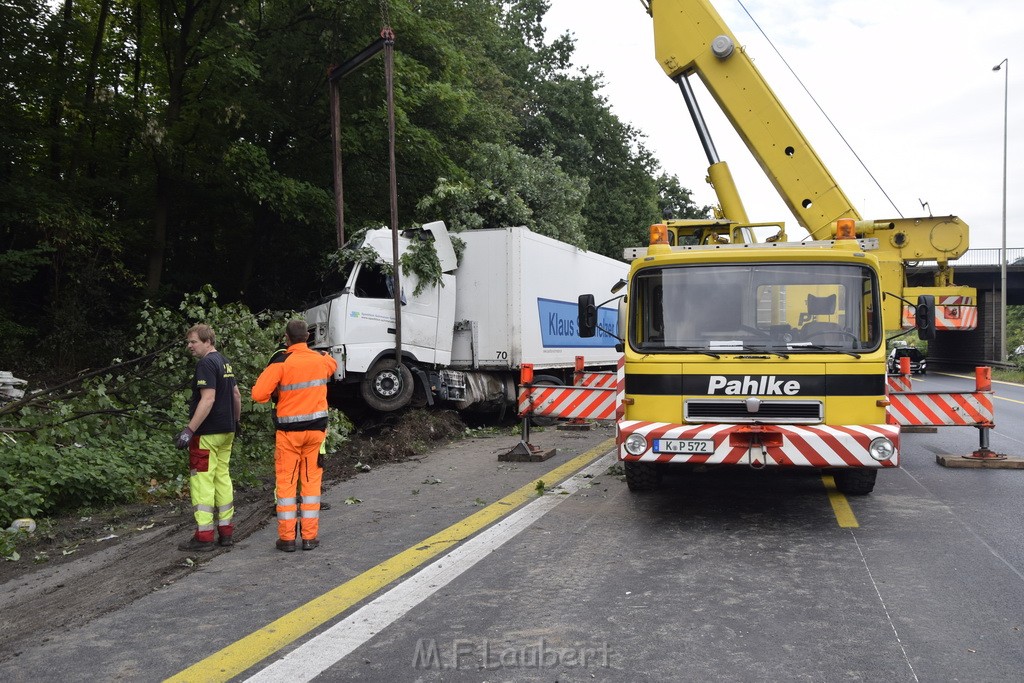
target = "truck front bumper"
x: 820, y: 446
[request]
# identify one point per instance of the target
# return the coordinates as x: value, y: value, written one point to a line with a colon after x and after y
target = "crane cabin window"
x: 803, y: 307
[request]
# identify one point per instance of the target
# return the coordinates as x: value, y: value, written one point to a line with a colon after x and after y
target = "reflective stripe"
x: 286, y: 501
x: 310, y: 513
x: 302, y: 385
x: 223, y: 522
x: 204, y: 527
x: 226, y: 508
x: 285, y: 514
x: 310, y: 500
x: 302, y: 418
x: 203, y: 508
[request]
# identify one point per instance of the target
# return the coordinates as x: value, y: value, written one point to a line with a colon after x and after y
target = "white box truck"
x: 511, y: 299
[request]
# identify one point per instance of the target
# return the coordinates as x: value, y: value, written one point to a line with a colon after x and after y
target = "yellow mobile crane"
x: 692, y: 39
x: 770, y: 353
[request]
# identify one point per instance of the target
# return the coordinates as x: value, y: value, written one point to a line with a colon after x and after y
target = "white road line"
x: 320, y: 653
x: 881, y: 601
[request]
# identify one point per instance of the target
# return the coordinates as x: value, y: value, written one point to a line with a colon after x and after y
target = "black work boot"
x: 195, y: 545
x: 286, y: 546
x: 310, y: 543
x: 225, y: 540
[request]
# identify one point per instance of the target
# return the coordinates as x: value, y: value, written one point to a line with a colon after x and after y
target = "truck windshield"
x: 771, y: 307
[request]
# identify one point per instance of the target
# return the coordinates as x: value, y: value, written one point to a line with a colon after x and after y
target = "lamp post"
x: 1002, y: 258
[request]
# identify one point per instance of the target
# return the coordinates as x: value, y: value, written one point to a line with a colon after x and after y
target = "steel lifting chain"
x: 385, y: 21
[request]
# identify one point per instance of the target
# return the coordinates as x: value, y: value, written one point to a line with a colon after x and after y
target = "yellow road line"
x: 257, y: 646
x: 840, y: 506
x: 995, y: 381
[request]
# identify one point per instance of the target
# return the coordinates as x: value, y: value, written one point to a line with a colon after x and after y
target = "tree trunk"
x: 60, y: 51
x: 158, y: 238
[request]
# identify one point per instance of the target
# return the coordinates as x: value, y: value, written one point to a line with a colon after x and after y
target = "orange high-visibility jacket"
x: 300, y: 379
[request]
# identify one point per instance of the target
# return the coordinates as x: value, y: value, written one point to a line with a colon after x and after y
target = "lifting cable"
x: 386, y: 42
x: 388, y: 35
x: 827, y: 118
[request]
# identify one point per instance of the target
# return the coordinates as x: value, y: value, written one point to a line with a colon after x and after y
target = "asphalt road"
x: 453, y: 568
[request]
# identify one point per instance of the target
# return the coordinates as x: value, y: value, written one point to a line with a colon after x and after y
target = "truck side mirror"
x: 925, y: 317
x: 587, y: 315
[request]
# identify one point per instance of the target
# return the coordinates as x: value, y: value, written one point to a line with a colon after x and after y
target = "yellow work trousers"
x: 297, y: 473
x: 209, y: 457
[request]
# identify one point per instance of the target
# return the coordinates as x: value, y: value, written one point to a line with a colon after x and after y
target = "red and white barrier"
x: 945, y: 409
x: 593, y: 396
x: 957, y: 313
x: 589, y: 403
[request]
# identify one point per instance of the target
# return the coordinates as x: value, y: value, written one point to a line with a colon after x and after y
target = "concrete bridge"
x: 978, y: 268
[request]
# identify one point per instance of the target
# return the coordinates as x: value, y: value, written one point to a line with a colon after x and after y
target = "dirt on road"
x: 87, y: 565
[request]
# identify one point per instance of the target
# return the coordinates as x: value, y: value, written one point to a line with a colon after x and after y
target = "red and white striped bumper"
x: 766, y: 445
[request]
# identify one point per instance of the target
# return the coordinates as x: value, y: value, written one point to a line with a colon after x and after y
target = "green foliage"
x: 421, y: 258
x: 289, y: 198
x: 504, y: 187
x: 1014, y: 330
x: 106, y: 437
x: 155, y: 146
x: 898, y: 338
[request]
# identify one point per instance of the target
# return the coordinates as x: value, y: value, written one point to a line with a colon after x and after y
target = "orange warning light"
x: 659, y: 234
x: 846, y: 229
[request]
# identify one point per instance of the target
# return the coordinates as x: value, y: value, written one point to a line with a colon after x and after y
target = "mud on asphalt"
x: 87, y: 565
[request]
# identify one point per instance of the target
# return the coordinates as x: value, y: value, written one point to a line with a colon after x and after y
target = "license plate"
x: 687, y: 446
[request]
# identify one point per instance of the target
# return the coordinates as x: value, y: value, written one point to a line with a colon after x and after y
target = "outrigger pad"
x: 524, y: 452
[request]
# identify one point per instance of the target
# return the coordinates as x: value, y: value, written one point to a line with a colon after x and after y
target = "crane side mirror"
x: 587, y: 315
x: 925, y: 317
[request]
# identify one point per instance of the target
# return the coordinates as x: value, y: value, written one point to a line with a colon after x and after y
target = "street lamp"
x: 1002, y: 259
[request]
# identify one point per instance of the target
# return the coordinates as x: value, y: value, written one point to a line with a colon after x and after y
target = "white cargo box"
x: 516, y: 301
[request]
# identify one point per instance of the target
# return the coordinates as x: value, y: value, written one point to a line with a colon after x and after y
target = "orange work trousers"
x: 297, y: 473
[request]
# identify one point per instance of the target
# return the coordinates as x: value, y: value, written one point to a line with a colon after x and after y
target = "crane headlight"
x: 881, y: 449
x: 635, y: 444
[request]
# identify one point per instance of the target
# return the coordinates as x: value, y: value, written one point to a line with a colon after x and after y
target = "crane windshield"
x: 800, y: 307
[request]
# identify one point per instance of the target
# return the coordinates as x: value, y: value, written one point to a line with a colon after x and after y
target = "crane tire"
x: 642, y: 476
x: 855, y: 481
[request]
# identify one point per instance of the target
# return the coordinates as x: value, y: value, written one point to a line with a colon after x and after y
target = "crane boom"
x: 691, y: 38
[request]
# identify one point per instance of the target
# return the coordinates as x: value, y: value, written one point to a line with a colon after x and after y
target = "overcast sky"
x: 909, y: 83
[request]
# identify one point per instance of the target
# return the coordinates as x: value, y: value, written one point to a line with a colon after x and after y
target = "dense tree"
x: 150, y: 147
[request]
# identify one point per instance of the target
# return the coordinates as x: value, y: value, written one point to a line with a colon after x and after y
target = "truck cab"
x: 758, y: 355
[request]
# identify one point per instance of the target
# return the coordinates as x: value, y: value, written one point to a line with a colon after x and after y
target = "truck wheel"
x: 544, y: 420
x: 855, y: 481
x: 387, y: 386
x: 642, y: 476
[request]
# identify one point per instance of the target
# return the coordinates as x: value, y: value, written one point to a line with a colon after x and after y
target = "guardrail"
x: 990, y: 257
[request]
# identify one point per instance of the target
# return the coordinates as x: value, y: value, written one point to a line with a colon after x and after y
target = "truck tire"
x: 544, y: 420
x: 642, y: 476
x: 856, y: 481
x: 387, y: 386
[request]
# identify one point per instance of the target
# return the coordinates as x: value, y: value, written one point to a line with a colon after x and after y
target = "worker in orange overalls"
x: 299, y: 377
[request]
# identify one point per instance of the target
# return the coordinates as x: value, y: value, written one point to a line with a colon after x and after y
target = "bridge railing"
x: 990, y: 257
